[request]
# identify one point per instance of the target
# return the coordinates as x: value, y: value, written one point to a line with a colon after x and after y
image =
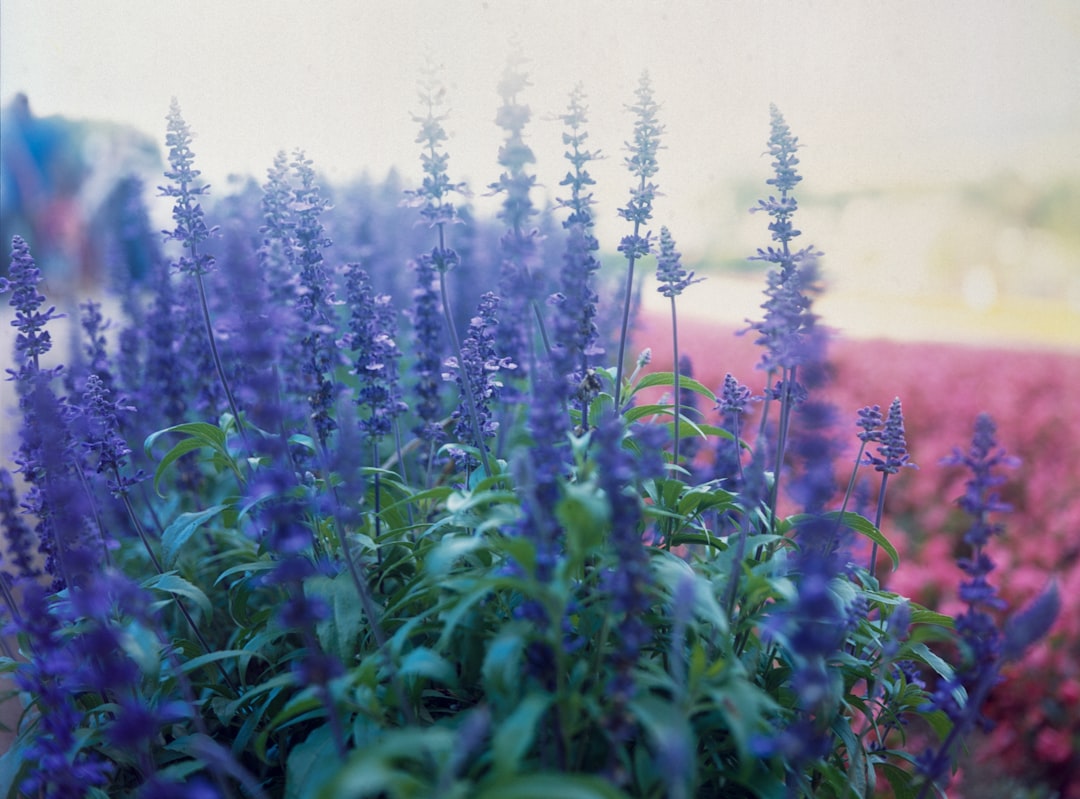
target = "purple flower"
x: 519, y: 245
x: 893, y: 447
x: 673, y: 279
x: 17, y: 533
x: 185, y: 189
x: 429, y: 341
x: 32, y: 339
x: 315, y: 300
x: 481, y: 368
x: 643, y: 165
x: 372, y: 329
x: 986, y: 646
x: 788, y: 331
x: 101, y: 438
x: 628, y: 583
x: 870, y: 421
x: 574, y: 326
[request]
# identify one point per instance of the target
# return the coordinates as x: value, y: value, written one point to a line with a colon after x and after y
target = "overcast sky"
x: 925, y: 91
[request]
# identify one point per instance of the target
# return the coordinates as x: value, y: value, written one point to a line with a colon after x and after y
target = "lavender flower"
x: 642, y: 165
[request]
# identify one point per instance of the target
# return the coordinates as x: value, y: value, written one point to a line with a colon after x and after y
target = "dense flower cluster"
x: 288, y: 608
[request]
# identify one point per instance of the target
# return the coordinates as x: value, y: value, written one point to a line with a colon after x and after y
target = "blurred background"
x: 941, y: 140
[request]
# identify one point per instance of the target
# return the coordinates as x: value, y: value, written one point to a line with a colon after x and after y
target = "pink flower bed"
x: 943, y: 387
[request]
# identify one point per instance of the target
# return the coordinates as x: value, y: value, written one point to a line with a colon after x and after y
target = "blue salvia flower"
x: 891, y: 458
x: 575, y: 337
x: 978, y: 629
x: 732, y: 402
x: 628, y: 584
x: 186, y: 189
x: 106, y: 448
x: 48, y: 676
x: 443, y: 258
x: 191, y: 232
x: 277, y: 256
x: 67, y: 530
x: 277, y: 250
x: 426, y: 317
x: 480, y: 366
x: 92, y: 357
x: 372, y: 330
x: 315, y: 299
x: 520, y: 244
x: 45, y: 419
x: 32, y: 339
x: 643, y: 165
x: 539, y: 476
x: 673, y: 280
x: 892, y: 451
x: 17, y: 533
x: 94, y: 326
x: 788, y: 331
x: 870, y: 421
x: 815, y: 622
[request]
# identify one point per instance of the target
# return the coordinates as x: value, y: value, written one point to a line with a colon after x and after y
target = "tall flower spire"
x: 642, y: 165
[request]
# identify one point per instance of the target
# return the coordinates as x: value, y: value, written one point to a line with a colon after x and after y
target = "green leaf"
x: 199, y: 435
x: 550, y: 786
x: 173, y: 583
x: 424, y: 662
x: 901, y: 782
x: 181, y: 529
x: 932, y: 660
x: 516, y: 733
x: 306, y: 770
x: 441, y: 560
x: 860, y: 525
x: 340, y: 632
x: 222, y: 654
x: 584, y: 515
x: 668, y: 379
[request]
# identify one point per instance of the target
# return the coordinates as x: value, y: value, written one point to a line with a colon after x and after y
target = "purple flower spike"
x: 893, y: 448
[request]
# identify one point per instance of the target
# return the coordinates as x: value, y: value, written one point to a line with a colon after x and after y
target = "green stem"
x: 208, y: 324
x: 627, y: 301
x: 678, y: 387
